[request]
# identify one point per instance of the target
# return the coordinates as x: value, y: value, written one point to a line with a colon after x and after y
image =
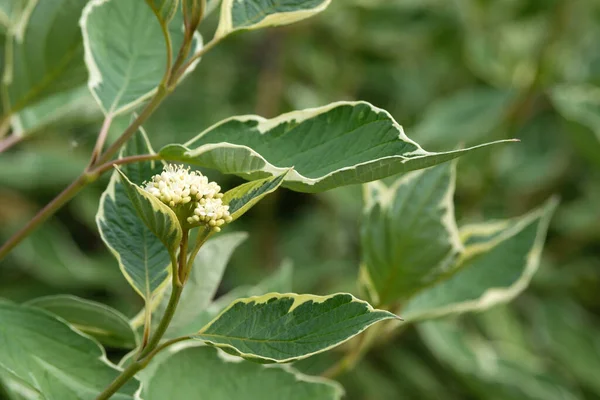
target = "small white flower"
x: 177, y: 186
x: 211, y: 211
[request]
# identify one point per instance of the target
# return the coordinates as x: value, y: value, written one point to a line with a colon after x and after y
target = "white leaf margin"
x: 299, y: 299
x: 377, y: 192
x: 94, y: 74
x: 498, y: 295
x: 298, y: 116
x: 282, y: 18
x: 103, y: 357
x: 228, y: 358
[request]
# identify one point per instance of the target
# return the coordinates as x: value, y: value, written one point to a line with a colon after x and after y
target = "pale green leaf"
x: 287, y: 327
x: 69, y: 106
x: 201, y: 286
x: 50, y: 255
x: 571, y: 336
x: 465, y: 117
x: 45, y: 54
x: 125, y: 52
x: 194, y: 370
x: 499, y: 261
x: 143, y: 258
x: 157, y: 216
x: 518, y: 373
x: 579, y: 103
x: 340, y: 144
x: 17, y: 389
x: 10, y: 13
x: 409, y: 234
x: 53, y: 358
x: 242, y: 198
x: 280, y: 281
x: 254, y: 14
x: 105, y: 324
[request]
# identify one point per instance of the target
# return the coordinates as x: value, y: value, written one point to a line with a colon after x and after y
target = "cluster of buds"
x: 192, y: 193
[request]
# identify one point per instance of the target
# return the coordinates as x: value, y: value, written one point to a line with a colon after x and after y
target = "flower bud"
x: 194, y: 199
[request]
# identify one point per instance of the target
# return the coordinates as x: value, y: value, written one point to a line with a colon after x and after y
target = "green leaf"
x: 45, y: 54
x: 242, y: 198
x: 201, y: 287
x: 511, y: 372
x: 467, y: 116
x: 409, y: 235
x: 571, y: 336
x: 499, y: 261
x: 10, y: 13
x: 125, y: 52
x: 340, y: 144
x: 280, y: 281
x: 69, y: 106
x: 157, y: 216
x: 143, y: 258
x: 193, y: 370
x: 255, y: 14
x: 50, y: 255
x: 53, y: 358
x: 105, y: 324
x: 287, y: 327
x: 579, y: 103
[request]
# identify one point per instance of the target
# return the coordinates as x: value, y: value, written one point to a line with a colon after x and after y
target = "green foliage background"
x: 453, y: 73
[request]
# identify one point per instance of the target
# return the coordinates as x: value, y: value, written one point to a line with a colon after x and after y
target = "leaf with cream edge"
x: 279, y: 328
x: 499, y: 260
x: 409, y: 234
x: 201, y: 286
x: 254, y: 14
x: 105, y: 324
x: 125, y: 52
x: 76, y: 105
x: 157, y: 216
x: 340, y: 144
x: 580, y: 103
x: 142, y: 257
x: 279, y: 281
x: 34, y: 72
x: 191, y: 370
x: 242, y: 198
x: 51, y: 357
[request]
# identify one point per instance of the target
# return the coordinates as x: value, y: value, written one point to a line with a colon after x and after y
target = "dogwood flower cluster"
x: 177, y: 186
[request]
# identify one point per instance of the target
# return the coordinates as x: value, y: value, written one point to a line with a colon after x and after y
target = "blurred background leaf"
x: 450, y: 73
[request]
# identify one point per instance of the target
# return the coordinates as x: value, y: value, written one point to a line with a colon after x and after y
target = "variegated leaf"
x: 279, y: 328
x: 191, y: 370
x: 499, y: 261
x: 143, y: 258
x: 34, y: 71
x: 242, y: 198
x: 157, y: 216
x: 50, y: 357
x: 340, y: 144
x: 254, y: 14
x: 409, y: 235
x: 105, y: 324
x: 125, y: 52
x: 200, y: 288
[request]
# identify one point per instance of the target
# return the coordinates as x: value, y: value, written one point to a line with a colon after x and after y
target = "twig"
x: 9, y: 141
x: 101, y: 138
